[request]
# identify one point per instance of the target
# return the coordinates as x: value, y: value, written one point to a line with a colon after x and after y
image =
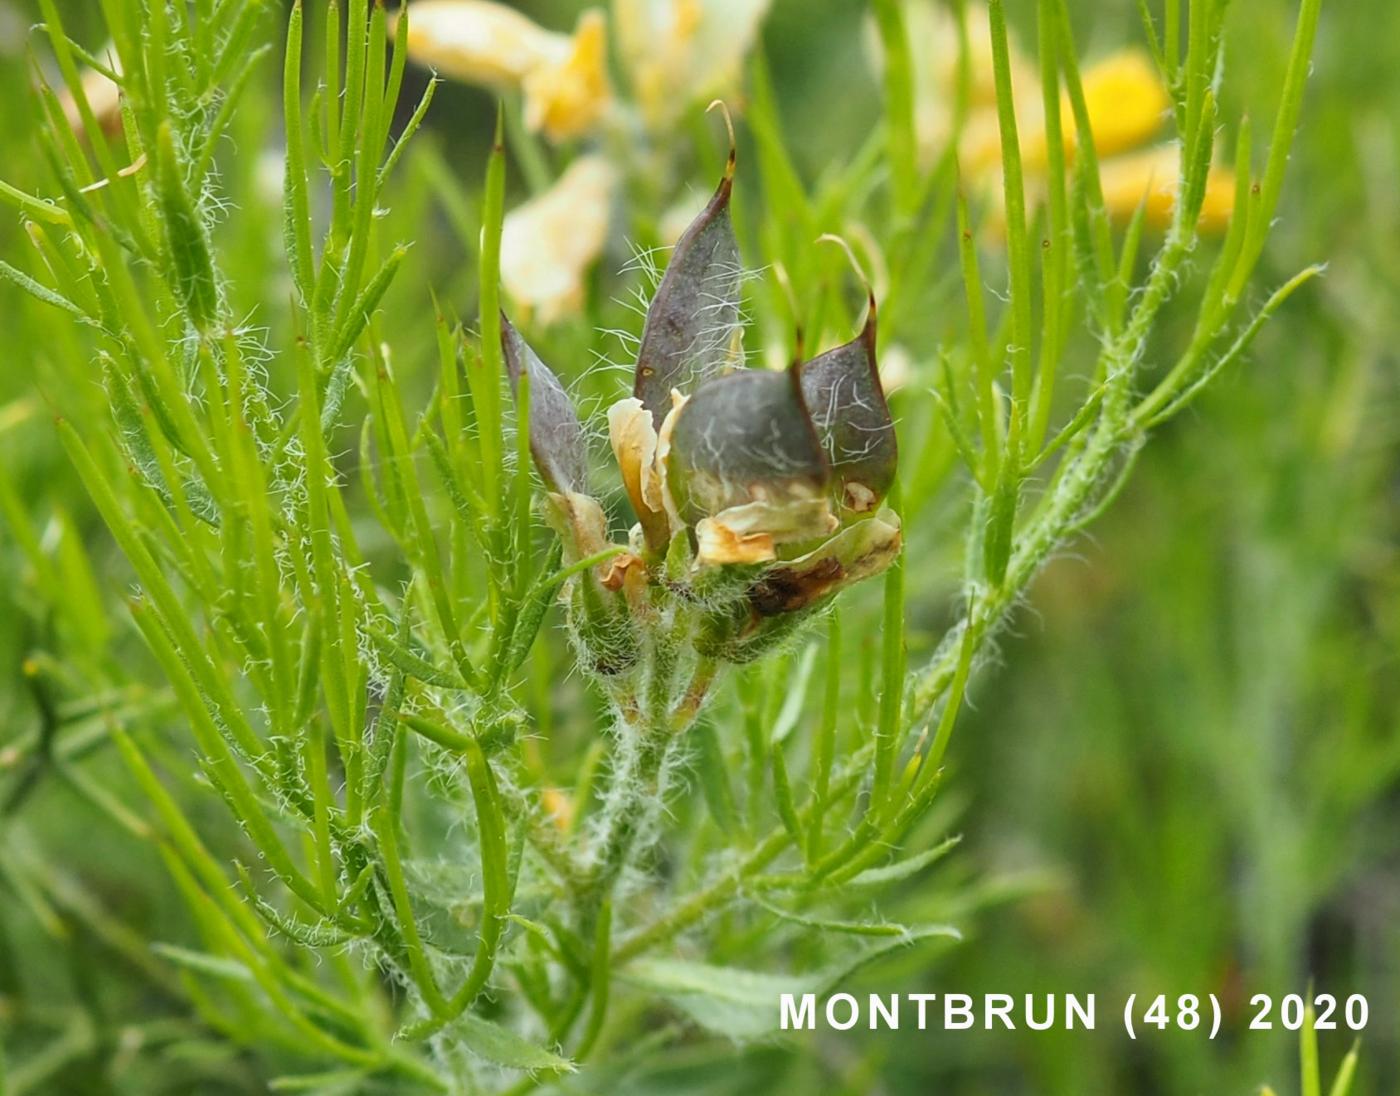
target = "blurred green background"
x: 1182, y: 774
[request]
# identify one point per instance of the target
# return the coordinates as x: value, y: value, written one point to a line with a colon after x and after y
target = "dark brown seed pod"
x: 694, y: 316
x: 556, y: 436
x: 842, y: 391
x: 744, y: 437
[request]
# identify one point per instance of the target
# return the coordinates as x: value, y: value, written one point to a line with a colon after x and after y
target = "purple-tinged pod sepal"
x: 557, y: 441
x: 745, y: 468
x: 558, y: 447
x: 846, y: 400
x: 692, y: 324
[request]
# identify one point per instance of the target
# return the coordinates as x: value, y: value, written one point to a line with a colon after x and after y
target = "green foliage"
x: 411, y: 853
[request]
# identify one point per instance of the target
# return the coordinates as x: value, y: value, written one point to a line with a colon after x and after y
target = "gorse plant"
x: 359, y: 659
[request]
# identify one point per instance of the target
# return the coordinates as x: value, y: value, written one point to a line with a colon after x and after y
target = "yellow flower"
x: 933, y: 39
x: 679, y: 52
x: 564, y: 77
x: 1153, y: 177
x: 568, y: 99
x: 479, y: 42
x: 548, y: 244
x: 676, y: 53
x: 1124, y: 97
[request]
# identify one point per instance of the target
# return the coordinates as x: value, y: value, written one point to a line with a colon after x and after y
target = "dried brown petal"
x: 769, y: 608
x: 858, y: 552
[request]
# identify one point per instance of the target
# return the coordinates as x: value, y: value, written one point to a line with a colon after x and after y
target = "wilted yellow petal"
x: 480, y: 42
x: 716, y: 543
x: 634, y: 443
x: 548, y: 244
x: 680, y: 52
x: 857, y: 552
x: 1153, y: 177
x: 751, y: 532
x: 568, y: 98
x: 656, y: 482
